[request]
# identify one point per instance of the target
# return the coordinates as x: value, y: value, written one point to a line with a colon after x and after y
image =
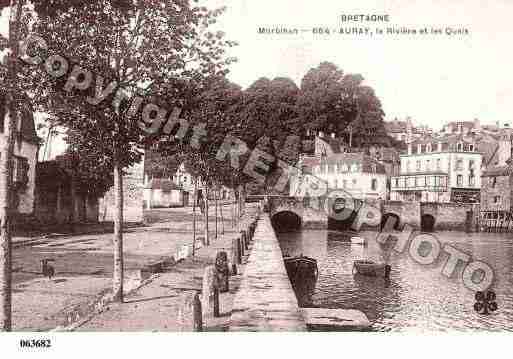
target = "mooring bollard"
x: 244, y: 239
x: 210, y: 292
x: 240, y: 246
x: 222, y: 272
x: 190, y: 317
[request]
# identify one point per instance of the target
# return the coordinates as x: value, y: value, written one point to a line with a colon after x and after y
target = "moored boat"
x: 371, y: 269
x: 300, y: 266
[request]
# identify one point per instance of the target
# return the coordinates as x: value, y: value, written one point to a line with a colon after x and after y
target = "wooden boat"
x: 371, y: 269
x: 302, y: 272
x: 358, y: 240
x: 301, y: 267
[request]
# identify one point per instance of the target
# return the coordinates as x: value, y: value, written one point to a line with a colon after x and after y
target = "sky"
x: 433, y: 79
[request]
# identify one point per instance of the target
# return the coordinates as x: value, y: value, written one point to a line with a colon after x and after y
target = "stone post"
x: 210, y: 292
x: 222, y: 272
x: 240, y: 247
x: 189, y: 315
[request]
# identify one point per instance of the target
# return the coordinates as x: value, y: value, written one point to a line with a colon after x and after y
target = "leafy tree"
x: 334, y: 102
x: 139, y: 46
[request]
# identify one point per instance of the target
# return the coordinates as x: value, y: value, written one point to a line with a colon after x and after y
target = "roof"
x: 365, y: 162
x: 505, y: 170
x: 396, y: 126
x: 166, y: 185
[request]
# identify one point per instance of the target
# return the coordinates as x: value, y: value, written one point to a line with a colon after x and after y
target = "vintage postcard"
x: 255, y: 166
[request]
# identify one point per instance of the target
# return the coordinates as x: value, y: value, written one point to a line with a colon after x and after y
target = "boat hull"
x: 371, y: 269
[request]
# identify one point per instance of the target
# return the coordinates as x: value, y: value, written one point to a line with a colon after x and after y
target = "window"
x: 460, y: 147
x: 459, y: 180
x: 418, y: 165
x: 493, y: 181
x: 471, y: 164
x: 20, y: 170
x: 373, y: 168
x: 354, y: 182
x: 397, y: 182
x: 428, y: 165
x: 429, y: 148
x: 497, y: 199
x: 471, y: 148
x: 459, y: 165
x: 438, y: 164
x: 374, y: 184
x: 336, y: 183
x: 471, y: 181
x: 331, y: 168
x: 344, y: 183
x: 407, y: 166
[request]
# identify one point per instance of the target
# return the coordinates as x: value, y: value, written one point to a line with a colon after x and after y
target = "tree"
x: 331, y: 101
x: 14, y: 99
x: 136, y: 46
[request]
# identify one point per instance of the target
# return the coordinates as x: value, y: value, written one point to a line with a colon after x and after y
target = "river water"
x: 416, y: 297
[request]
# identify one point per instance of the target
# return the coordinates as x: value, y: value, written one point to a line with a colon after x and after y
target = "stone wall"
x: 133, y: 197
x: 451, y: 216
x: 408, y: 212
x: 266, y: 301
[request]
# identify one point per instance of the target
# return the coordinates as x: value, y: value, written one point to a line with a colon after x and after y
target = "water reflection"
x: 415, y: 297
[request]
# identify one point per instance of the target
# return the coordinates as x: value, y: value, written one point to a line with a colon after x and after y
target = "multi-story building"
x: 439, y: 169
x: 359, y: 174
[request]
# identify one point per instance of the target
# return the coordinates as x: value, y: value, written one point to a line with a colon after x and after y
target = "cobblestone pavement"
x: 83, y: 266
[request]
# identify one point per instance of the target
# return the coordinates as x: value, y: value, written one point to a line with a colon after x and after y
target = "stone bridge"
x: 316, y: 213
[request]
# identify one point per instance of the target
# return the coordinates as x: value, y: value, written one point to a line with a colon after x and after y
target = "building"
x: 405, y: 131
x: 439, y: 169
x: 26, y: 150
x: 496, y: 190
x: 358, y: 174
x: 58, y: 199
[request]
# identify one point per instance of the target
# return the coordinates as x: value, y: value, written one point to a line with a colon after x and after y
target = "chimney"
x: 477, y: 125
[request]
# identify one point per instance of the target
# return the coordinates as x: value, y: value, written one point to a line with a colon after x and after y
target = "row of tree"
x: 170, y: 56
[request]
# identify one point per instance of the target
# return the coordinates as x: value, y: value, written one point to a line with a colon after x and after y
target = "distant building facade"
x: 358, y: 174
x: 439, y: 169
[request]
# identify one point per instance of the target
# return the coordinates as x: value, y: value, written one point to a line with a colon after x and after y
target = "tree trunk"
x: 6, y: 189
x: 207, y: 239
x: 222, y: 218
x: 117, y: 287
x: 215, y: 204
x: 194, y: 199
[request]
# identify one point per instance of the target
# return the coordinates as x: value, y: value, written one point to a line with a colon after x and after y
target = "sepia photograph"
x: 235, y: 166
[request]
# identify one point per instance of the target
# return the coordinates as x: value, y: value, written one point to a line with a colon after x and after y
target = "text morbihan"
x: 278, y: 30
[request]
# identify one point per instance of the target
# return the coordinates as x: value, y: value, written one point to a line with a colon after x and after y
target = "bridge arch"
x: 286, y: 221
x: 427, y: 223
